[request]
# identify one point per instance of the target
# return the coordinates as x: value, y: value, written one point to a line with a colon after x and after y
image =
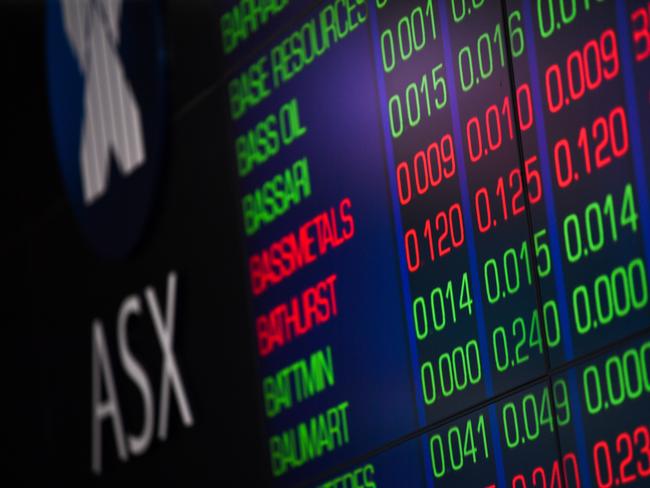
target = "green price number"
x: 410, y: 36
x: 612, y: 295
x: 503, y: 278
x: 461, y: 445
x: 476, y: 62
x: 417, y: 101
x: 461, y: 8
x: 444, y: 306
x: 512, y: 346
x: 453, y: 372
x: 622, y: 378
x: 599, y: 223
x: 524, y: 420
x: 553, y: 15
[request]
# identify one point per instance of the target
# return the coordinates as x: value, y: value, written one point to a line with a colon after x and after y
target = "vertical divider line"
x: 556, y: 255
x: 547, y: 181
x: 537, y: 284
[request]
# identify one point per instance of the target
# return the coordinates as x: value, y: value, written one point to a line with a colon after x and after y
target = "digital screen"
x: 445, y: 219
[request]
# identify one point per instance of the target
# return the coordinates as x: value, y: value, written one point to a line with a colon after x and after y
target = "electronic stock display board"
x: 445, y: 216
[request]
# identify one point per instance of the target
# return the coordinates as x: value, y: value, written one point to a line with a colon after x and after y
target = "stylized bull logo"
x: 112, y: 124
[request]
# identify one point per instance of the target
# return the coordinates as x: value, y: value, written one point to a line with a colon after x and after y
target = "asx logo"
x: 107, y: 400
x: 107, y: 104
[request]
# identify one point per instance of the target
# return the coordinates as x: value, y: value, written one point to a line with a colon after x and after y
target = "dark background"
x: 55, y: 285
